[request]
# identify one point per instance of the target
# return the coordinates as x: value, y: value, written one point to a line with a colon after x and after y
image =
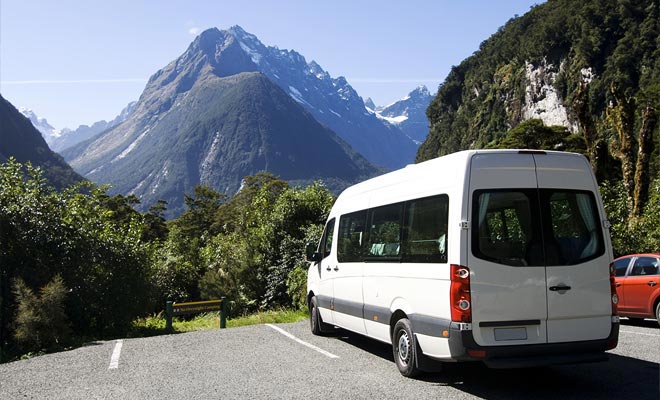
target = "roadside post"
x: 168, y: 316
x: 223, y: 313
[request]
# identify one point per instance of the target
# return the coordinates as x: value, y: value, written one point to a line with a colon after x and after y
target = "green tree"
x: 533, y: 134
x: 77, y: 235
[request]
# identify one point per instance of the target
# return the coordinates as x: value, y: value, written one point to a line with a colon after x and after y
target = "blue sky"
x: 76, y: 62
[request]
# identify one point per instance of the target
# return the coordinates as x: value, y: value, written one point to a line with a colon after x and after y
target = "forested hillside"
x: 590, y: 69
x: 79, y: 264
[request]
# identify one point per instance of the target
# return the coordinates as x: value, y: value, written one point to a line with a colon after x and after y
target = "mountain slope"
x: 408, y: 114
x: 47, y: 130
x: 21, y: 140
x: 192, y: 126
x: 592, y: 66
x: 59, y: 140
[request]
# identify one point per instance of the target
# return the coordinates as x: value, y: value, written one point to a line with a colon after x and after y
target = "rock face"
x: 542, y: 100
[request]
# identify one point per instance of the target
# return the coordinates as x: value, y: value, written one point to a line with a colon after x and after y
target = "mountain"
x: 332, y: 101
x: 408, y: 114
x: 370, y: 104
x: 590, y: 66
x: 47, y: 131
x: 21, y: 140
x: 70, y: 137
x: 59, y: 140
x: 194, y: 124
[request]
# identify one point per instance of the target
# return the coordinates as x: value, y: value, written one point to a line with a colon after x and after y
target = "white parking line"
x: 311, y: 346
x: 640, y: 333
x: 114, y: 360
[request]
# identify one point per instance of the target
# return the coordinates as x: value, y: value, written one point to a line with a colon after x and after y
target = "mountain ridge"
x: 216, y: 132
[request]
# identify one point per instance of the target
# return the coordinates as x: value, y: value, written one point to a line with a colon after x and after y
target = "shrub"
x: 41, y: 323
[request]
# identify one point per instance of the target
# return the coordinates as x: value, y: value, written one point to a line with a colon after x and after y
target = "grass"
x: 155, y: 325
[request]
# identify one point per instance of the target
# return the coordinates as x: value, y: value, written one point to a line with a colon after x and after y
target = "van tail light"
x: 460, y: 300
x: 615, y: 297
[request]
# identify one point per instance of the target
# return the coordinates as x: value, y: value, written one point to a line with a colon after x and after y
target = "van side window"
x: 426, y: 226
x: 326, y: 244
x: 352, y: 236
x: 385, y: 231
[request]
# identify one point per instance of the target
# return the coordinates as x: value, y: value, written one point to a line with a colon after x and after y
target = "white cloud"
x: 393, y: 80
x: 50, y: 81
x: 194, y: 31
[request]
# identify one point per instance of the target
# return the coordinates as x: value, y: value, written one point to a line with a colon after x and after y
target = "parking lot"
x: 286, y: 361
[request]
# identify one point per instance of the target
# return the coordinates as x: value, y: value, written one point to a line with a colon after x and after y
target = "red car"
x: 638, y: 286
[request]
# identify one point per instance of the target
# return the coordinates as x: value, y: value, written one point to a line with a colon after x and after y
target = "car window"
x: 621, y: 266
x: 645, y: 266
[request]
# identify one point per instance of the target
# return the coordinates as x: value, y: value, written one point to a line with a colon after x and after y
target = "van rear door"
x: 577, y: 261
x: 508, y: 289
x: 537, y: 252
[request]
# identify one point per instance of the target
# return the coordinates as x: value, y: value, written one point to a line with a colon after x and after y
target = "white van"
x: 502, y: 256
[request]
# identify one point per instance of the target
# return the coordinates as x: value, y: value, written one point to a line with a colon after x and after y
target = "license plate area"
x: 502, y: 334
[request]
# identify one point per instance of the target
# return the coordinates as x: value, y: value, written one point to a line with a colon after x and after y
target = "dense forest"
x: 79, y: 263
x: 594, y: 65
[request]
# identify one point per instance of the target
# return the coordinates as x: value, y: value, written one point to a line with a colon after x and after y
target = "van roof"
x: 456, y: 160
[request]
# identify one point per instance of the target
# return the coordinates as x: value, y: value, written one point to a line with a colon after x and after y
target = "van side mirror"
x: 311, y: 254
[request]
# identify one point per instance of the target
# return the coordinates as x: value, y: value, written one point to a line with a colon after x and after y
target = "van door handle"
x: 328, y: 268
x: 559, y: 288
x: 652, y: 283
x: 336, y: 268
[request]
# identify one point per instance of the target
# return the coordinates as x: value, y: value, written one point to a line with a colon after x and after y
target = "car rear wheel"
x: 657, y: 312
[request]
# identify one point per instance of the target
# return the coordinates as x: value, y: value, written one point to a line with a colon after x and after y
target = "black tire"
x: 657, y: 312
x: 316, y: 324
x: 404, y: 348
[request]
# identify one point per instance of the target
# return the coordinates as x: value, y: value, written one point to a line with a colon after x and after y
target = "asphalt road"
x: 261, y: 362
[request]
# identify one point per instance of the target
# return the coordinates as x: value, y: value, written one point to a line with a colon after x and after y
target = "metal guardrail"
x: 173, y: 309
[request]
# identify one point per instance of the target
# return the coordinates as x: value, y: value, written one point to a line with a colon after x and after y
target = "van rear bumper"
x: 532, y: 355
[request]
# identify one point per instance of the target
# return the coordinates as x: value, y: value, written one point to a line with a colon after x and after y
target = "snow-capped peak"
x: 47, y: 130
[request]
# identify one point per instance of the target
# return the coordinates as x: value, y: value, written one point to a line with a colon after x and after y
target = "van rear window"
x: 528, y: 227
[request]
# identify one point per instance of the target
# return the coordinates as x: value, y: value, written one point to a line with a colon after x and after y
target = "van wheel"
x: 657, y: 312
x: 316, y: 324
x: 404, y: 347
